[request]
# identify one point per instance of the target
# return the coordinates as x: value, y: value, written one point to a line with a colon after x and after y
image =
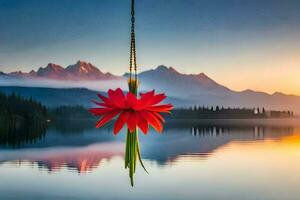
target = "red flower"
x: 132, y: 111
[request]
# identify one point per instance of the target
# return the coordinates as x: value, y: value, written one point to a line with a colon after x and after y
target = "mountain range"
x: 79, y: 71
x: 183, y: 89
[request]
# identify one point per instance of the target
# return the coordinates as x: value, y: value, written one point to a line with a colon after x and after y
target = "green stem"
x: 140, y: 157
x: 132, y: 151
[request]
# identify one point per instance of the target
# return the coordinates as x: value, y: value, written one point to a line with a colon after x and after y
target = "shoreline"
x: 256, y: 121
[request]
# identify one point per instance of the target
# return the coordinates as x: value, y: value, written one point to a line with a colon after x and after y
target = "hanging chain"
x: 132, y: 63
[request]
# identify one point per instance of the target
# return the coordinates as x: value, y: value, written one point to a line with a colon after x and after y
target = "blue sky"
x: 240, y: 43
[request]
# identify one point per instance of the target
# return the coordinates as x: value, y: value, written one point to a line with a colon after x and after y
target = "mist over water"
x: 102, y: 85
x: 95, y: 85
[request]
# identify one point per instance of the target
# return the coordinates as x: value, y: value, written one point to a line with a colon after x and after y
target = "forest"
x: 15, y: 109
x: 22, y: 120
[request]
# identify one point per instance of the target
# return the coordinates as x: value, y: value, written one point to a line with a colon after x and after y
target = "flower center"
x: 130, y: 110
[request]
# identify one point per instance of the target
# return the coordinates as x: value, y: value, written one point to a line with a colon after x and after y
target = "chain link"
x: 133, y: 63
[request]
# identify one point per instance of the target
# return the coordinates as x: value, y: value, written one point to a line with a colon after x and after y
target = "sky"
x: 242, y: 44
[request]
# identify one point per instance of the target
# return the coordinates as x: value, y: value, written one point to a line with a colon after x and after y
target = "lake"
x: 208, y: 159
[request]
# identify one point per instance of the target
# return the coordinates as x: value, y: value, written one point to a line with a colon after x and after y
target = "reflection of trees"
x: 198, y: 140
x: 257, y: 132
x: 17, y: 133
x: 174, y: 144
x: 22, y: 120
x: 75, y: 127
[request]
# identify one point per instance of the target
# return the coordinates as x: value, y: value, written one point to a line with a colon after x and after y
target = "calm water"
x: 208, y: 160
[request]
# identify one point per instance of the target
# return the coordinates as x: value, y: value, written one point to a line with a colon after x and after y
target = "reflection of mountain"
x: 82, y: 159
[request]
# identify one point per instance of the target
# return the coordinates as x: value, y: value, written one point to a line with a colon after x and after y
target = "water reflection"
x: 80, y: 148
x: 81, y: 160
x: 17, y: 134
x: 69, y: 127
x: 205, y: 139
x: 257, y: 132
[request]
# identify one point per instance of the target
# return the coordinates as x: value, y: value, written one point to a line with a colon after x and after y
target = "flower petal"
x: 157, y: 99
x: 120, y: 93
x: 152, y: 120
x: 117, y: 97
x: 131, y: 100
x: 100, y: 111
x: 132, y: 121
x: 106, y: 100
x: 146, y: 97
x: 106, y: 118
x: 158, y: 116
x: 147, y: 94
x: 161, y: 108
x: 145, y: 102
x: 142, y: 123
x: 122, y: 119
x: 102, y: 104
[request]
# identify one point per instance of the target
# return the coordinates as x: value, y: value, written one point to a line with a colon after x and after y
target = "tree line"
x: 220, y: 112
x: 15, y: 108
